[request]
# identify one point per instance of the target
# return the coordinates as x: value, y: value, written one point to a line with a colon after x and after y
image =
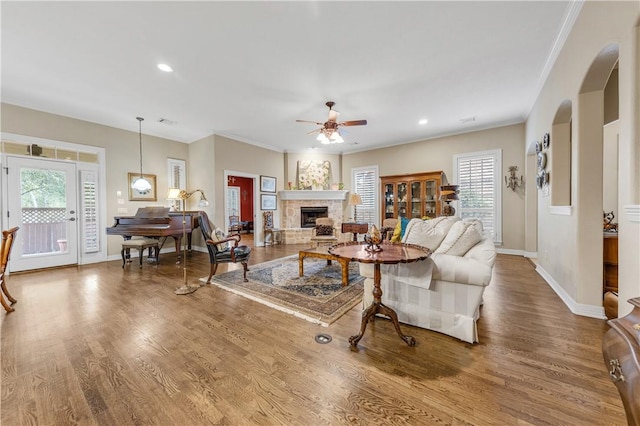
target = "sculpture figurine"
x: 373, y: 240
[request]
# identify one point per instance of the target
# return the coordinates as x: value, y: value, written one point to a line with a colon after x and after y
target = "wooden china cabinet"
x: 410, y: 196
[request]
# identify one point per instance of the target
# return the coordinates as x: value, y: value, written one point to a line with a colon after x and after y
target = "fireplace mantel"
x: 313, y: 195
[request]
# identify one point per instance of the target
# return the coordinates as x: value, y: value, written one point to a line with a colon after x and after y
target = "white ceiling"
x: 248, y: 70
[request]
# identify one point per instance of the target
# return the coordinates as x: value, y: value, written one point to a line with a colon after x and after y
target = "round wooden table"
x: 391, y: 253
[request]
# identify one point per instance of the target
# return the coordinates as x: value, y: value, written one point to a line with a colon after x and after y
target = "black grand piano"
x: 156, y: 222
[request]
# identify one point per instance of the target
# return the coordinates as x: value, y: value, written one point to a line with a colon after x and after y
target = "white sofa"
x: 444, y: 292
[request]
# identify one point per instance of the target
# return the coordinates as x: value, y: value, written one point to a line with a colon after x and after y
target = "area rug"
x: 318, y: 296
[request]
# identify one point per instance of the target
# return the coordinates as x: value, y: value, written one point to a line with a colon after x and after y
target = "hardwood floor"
x: 97, y: 344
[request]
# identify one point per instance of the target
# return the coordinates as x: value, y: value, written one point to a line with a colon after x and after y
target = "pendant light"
x: 141, y: 184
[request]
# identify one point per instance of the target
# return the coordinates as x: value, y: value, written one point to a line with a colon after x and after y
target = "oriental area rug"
x: 318, y: 296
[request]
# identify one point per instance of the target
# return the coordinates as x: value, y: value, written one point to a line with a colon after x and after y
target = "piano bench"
x: 141, y: 244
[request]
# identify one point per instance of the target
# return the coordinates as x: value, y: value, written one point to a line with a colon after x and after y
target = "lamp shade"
x: 355, y: 199
x: 173, y: 194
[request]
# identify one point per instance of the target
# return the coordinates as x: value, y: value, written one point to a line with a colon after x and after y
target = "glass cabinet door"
x: 388, y: 201
x: 416, y: 199
x: 402, y: 199
x: 430, y: 202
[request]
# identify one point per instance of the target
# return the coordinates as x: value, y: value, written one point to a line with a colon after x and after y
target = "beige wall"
x: 570, y: 246
x: 234, y: 156
x: 122, y: 154
x: 437, y: 154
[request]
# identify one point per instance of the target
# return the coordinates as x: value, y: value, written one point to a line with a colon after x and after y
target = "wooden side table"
x: 355, y: 228
x: 390, y: 254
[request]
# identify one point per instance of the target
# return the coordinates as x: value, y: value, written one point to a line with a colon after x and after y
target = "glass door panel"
x: 416, y: 199
x: 388, y: 201
x: 43, y: 204
x: 402, y: 199
x: 430, y: 201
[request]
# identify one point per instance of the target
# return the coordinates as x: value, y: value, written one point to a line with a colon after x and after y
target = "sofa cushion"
x: 400, y: 229
x: 461, y: 237
x: 428, y: 233
x: 218, y: 235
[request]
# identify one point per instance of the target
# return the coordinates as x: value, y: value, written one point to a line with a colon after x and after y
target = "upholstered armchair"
x: 388, y: 226
x: 324, y: 232
x: 223, y: 249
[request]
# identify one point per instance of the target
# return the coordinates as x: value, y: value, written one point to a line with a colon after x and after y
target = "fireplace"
x: 308, y: 215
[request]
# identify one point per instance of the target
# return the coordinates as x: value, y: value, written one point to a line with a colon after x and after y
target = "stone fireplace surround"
x: 292, y: 201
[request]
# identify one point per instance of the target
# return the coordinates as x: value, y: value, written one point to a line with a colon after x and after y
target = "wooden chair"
x: 234, y: 225
x: 219, y: 250
x: 5, y: 250
x: 328, y: 236
x: 269, y: 230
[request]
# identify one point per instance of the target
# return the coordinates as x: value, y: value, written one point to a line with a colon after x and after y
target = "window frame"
x: 371, y: 201
x: 496, y: 154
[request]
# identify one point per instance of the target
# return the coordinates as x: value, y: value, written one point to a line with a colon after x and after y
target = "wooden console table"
x: 355, y: 228
x: 322, y: 253
x: 390, y: 254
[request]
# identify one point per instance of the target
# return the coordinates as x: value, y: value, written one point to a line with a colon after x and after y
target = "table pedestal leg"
x: 377, y: 307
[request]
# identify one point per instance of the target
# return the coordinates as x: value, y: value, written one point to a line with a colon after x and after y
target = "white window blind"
x: 177, y: 177
x: 479, y: 182
x: 89, y: 211
x: 365, y: 184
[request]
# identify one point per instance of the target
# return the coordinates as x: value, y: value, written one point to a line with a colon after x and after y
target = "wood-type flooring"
x: 102, y: 345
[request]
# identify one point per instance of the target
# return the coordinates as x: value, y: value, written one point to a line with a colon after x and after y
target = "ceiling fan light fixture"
x: 336, y: 138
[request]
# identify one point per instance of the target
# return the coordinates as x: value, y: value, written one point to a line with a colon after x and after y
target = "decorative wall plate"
x: 539, y: 180
x: 538, y: 146
x: 546, y: 140
x: 542, y: 160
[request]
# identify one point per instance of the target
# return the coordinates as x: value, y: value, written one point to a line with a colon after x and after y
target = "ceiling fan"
x: 330, y: 130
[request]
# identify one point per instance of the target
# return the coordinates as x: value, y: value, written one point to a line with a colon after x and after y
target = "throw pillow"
x: 399, y: 230
x: 324, y: 230
x: 461, y: 237
x: 218, y: 235
x: 429, y: 233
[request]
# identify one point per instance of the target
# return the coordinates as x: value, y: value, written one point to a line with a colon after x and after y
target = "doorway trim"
x: 100, y: 167
x: 257, y: 223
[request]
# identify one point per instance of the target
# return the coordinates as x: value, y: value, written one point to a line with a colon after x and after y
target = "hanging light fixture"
x: 141, y: 184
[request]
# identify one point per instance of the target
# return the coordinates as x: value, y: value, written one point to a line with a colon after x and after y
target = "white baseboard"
x: 531, y: 254
x: 591, y: 311
x: 510, y: 251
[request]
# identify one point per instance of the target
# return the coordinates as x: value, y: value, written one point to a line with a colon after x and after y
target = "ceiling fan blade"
x: 307, y: 121
x: 353, y: 123
x: 315, y: 131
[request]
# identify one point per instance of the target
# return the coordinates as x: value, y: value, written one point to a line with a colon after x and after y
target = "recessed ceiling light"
x: 165, y: 68
x: 423, y: 121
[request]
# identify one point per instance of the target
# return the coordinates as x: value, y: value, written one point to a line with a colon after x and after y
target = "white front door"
x: 42, y: 201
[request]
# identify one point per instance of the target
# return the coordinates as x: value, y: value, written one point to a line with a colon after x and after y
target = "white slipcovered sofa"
x: 444, y: 292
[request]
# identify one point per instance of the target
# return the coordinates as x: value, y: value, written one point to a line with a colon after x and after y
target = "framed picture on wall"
x: 135, y: 195
x: 267, y: 202
x: 267, y: 184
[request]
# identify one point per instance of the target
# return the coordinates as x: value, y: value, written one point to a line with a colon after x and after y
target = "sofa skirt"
x: 448, y: 308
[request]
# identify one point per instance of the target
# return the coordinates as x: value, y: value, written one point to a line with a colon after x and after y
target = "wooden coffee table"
x: 323, y: 253
x: 390, y: 254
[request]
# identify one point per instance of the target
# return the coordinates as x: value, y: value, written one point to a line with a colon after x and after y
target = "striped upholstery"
x: 445, y: 298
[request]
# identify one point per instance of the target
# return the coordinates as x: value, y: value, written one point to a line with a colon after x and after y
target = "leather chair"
x: 231, y: 253
x: 318, y: 237
x: 5, y: 250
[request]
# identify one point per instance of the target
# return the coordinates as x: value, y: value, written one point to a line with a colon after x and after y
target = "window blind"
x: 365, y: 183
x: 89, y: 205
x: 479, y: 189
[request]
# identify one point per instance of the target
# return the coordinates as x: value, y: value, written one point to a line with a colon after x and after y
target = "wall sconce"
x: 512, y: 181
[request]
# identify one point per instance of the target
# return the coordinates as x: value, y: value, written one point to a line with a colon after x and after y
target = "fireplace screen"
x: 308, y: 215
